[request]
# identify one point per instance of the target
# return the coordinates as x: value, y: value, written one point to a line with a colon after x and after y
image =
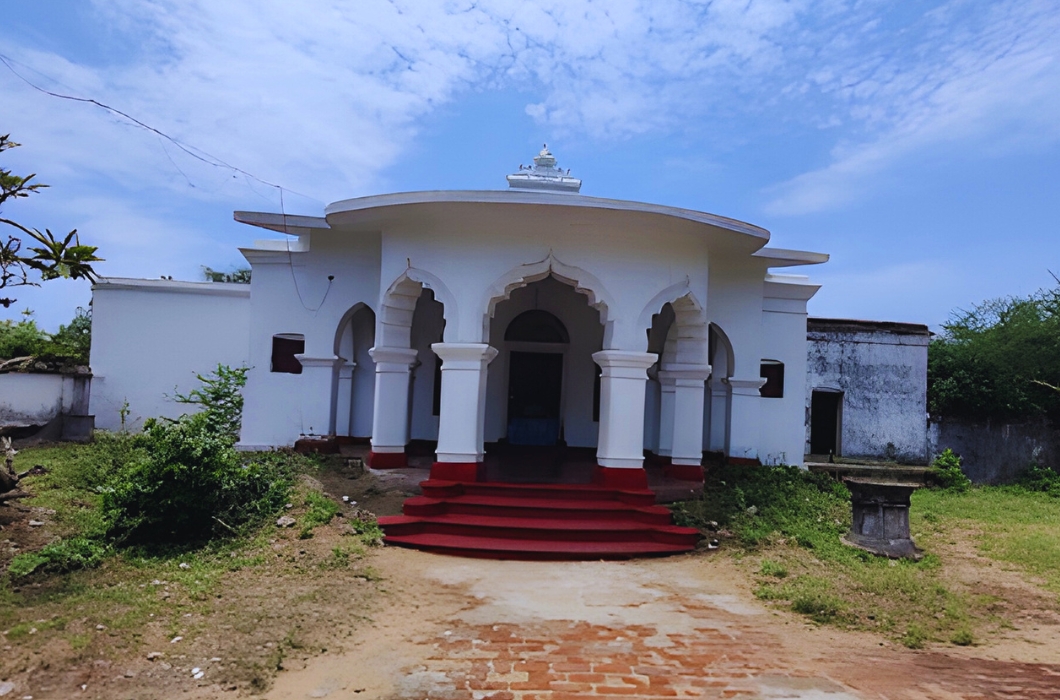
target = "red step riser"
x: 447, y: 507
x: 455, y: 490
x: 530, y: 556
x: 542, y: 534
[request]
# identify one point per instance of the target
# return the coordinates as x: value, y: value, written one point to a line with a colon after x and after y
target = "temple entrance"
x: 535, y: 388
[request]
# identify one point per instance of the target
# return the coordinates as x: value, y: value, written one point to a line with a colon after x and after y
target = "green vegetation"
x: 319, y: 511
x: 946, y: 472
x: 51, y: 257
x: 999, y: 360
x: 787, y: 524
x: 68, y: 346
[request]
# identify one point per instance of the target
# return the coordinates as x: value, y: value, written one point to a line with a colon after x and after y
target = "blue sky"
x: 917, y: 143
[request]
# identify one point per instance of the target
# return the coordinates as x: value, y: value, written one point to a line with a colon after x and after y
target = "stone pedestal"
x: 390, y: 420
x: 620, y: 451
x: 880, y: 522
x: 461, y: 423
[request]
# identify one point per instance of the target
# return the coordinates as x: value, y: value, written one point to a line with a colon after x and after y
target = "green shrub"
x: 946, y: 472
x: 1041, y: 479
x: 962, y: 637
x: 188, y: 484
x: 21, y: 339
x: 820, y: 607
x: 221, y: 399
x: 59, y: 557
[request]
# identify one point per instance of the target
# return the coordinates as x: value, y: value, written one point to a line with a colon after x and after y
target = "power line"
x: 192, y: 151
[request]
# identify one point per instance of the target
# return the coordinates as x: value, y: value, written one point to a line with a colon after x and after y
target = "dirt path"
x: 454, y: 628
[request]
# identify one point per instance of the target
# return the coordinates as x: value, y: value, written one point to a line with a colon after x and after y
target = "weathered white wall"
x: 881, y: 368
x: 151, y: 337
x: 33, y: 399
x: 783, y: 432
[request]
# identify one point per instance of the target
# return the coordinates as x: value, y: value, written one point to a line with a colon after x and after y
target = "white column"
x: 719, y: 415
x: 390, y: 414
x: 344, y: 398
x: 463, y: 411
x: 689, y: 386
x: 667, y: 387
x: 318, y: 387
x: 745, y: 428
x: 621, y: 440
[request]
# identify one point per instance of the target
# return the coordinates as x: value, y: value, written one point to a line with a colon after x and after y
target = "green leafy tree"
x: 47, y: 257
x: 999, y: 360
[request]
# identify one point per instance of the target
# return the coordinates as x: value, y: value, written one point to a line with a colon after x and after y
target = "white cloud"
x: 988, y: 81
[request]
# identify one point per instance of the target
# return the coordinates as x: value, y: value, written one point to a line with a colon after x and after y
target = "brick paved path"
x: 477, y: 630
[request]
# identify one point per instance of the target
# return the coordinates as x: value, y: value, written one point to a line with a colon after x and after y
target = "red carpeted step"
x: 541, y: 529
x: 501, y: 548
x: 436, y: 488
x: 547, y: 508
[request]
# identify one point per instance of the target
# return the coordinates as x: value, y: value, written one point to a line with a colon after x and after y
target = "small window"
x: 773, y: 373
x: 284, y: 348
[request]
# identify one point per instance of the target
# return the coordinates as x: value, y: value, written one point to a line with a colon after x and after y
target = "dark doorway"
x: 535, y: 382
x: 824, y: 422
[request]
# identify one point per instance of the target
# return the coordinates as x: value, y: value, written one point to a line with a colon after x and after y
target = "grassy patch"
x: 788, y: 524
x: 237, y: 596
x: 1011, y: 524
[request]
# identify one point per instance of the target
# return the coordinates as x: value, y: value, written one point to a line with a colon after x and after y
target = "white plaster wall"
x: 628, y: 266
x: 151, y: 337
x: 290, y: 293
x: 783, y: 419
x: 579, y: 370
x: 33, y: 399
x: 883, y: 377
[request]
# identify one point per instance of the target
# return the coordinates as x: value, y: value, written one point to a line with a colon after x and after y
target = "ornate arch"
x: 394, y: 322
x: 686, y: 339
x: 582, y: 281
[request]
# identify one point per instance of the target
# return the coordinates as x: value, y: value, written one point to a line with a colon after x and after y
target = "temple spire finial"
x: 544, y: 175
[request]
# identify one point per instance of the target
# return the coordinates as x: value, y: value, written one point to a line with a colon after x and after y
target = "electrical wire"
x: 196, y: 153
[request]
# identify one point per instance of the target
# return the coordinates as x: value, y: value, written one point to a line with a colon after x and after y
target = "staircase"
x: 536, y: 521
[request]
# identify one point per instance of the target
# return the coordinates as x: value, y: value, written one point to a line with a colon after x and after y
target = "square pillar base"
x: 684, y: 472
x: 387, y: 460
x: 625, y: 479
x: 458, y: 471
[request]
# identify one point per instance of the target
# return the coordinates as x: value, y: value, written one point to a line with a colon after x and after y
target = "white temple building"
x: 463, y: 320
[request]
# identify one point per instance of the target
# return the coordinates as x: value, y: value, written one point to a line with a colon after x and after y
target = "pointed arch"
x: 581, y: 280
x: 394, y: 321
x: 722, y: 357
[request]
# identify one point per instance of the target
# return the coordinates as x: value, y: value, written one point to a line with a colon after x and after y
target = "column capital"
x: 393, y: 356
x: 625, y: 360
x: 326, y: 361
x: 745, y: 387
x: 464, y: 355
